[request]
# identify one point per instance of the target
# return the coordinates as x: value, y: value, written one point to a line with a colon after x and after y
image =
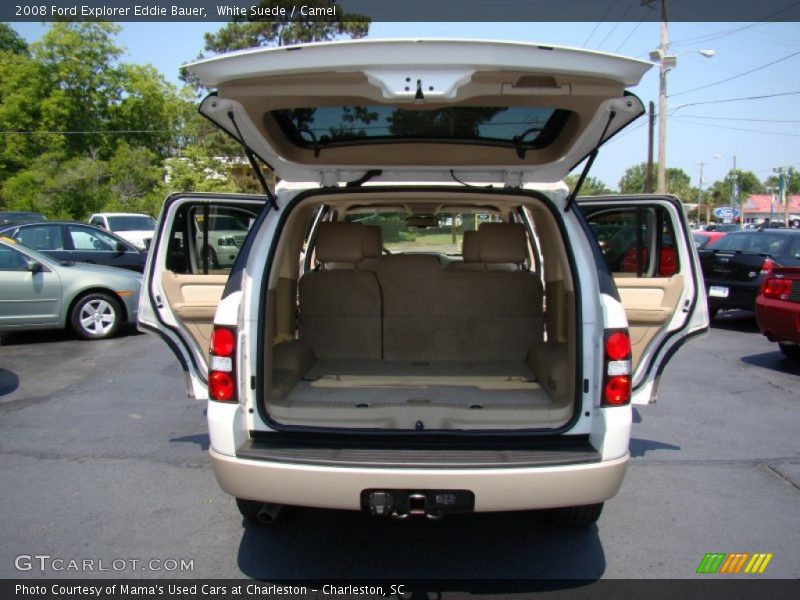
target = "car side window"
x: 89, y: 239
x: 41, y: 237
x: 207, y: 239
x: 635, y: 242
x: 12, y: 260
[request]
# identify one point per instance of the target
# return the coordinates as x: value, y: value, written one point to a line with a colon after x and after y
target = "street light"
x: 666, y: 62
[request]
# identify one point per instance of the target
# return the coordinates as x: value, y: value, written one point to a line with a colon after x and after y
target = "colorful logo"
x: 736, y: 562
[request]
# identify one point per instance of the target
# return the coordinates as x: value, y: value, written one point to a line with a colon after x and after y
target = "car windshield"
x: 758, y: 242
x: 131, y: 223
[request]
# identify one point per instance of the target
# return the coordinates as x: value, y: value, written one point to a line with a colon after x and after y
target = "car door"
x: 45, y: 238
x: 29, y: 297
x: 187, y: 269
x: 648, y: 247
x: 92, y: 245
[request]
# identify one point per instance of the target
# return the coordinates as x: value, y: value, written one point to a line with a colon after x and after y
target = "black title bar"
x: 405, y: 10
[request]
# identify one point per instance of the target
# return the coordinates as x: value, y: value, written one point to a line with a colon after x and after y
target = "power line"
x: 629, y: 36
x: 743, y: 98
x: 708, y: 85
x: 781, y: 133
x: 713, y: 36
x: 608, y: 35
x: 739, y: 119
x: 602, y: 19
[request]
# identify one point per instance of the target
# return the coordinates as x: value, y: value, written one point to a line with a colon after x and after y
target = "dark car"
x: 778, y: 310
x: 77, y: 242
x: 736, y: 265
x: 10, y: 217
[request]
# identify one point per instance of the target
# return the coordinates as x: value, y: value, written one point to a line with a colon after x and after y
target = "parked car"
x: 724, y: 227
x: 225, y: 236
x: 703, y: 239
x: 11, y: 217
x: 78, y: 242
x: 39, y: 292
x: 136, y: 228
x: 778, y: 309
x: 412, y: 383
x: 736, y: 265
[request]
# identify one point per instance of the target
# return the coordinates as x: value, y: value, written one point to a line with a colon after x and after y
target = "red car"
x: 703, y: 239
x: 778, y: 309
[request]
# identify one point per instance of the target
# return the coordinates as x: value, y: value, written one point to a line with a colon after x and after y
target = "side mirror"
x: 33, y: 266
x: 120, y: 247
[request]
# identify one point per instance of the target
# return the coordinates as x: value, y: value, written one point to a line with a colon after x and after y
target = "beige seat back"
x: 432, y: 313
x: 340, y: 309
x: 470, y: 256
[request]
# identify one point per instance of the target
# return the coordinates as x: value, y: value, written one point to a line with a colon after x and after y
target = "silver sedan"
x: 38, y: 292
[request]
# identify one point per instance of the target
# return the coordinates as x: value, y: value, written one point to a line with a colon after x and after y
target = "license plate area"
x: 718, y: 291
x: 432, y: 504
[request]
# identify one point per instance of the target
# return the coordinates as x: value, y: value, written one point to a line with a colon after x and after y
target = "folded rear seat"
x: 340, y: 308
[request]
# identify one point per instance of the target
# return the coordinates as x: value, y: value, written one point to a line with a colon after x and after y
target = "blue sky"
x: 762, y: 134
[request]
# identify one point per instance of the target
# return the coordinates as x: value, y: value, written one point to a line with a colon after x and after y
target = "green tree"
x: 78, y: 60
x: 721, y: 191
x: 792, y: 182
x: 591, y: 186
x: 678, y: 182
x: 11, y: 41
x: 135, y: 178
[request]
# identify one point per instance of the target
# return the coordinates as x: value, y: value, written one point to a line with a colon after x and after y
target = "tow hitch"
x: 432, y: 504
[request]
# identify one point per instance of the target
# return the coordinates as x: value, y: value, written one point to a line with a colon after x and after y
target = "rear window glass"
x: 445, y: 237
x: 759, y: 242
x: 526, y: 126
x: 132, y: 223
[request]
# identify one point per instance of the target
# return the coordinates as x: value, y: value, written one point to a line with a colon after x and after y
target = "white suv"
x: 134, y: 227
x: 421, y: 320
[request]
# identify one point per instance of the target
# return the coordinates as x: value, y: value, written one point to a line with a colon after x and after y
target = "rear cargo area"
x: 423, y: 341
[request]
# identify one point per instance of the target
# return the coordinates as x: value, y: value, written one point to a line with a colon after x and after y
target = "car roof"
x: 119, y: 214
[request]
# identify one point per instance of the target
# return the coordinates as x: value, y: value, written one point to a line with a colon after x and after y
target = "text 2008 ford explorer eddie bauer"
x: 422, y: 320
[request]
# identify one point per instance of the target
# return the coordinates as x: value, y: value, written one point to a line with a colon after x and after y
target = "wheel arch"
x: 94, y: 290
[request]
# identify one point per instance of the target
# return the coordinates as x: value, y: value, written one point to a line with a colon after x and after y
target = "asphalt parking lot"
x: 103, y: 457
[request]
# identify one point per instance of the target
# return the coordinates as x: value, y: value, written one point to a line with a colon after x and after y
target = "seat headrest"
x: 340, y: 242
x: 469, y: 247
x: 502, y: 243
x: 373, y: 241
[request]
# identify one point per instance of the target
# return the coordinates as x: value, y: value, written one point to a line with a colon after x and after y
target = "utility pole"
x: 700, y: 191
x: 783, y: 195
x: 734, y: 187
x: 648, y: 186
x: 662, y: 103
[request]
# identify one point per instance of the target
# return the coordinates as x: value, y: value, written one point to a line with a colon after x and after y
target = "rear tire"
x: 96, y: 316
x: 712, y: 312
x: 576, y: 516
x: 790, y: 350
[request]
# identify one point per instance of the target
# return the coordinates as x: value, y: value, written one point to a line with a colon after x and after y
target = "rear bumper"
x: 740, y: 295
x: 779, y: 320
x: 495, y: 489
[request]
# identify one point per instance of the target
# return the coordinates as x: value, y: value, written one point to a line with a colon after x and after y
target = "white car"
x: 452, y: 339
x: 134, y: 227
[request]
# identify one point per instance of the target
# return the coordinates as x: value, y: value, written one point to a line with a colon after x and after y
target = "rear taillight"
x: 777, y: 287
x: 617, y: 368
x: 767, y: 266
x: 221, y: 375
